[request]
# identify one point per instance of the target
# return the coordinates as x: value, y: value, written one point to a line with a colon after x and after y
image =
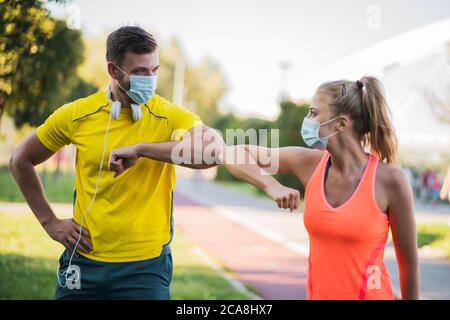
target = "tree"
x: 38, y: 61
x: 289, y: 122
x: 93, y: 69
x: 204, y: 83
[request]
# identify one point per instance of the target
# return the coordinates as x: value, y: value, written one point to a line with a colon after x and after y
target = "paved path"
x: 261, y: 216
x: 276, y: 272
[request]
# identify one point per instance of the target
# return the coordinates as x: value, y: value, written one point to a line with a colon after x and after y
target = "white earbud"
x: 115, y: 109
x: 136, y: 111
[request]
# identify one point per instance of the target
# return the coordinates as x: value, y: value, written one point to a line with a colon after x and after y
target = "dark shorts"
x: 147, y: 279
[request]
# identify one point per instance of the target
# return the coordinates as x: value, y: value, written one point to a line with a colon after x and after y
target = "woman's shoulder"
x: 391, y: 176
x: 300, y: 161
x: 301, y: 156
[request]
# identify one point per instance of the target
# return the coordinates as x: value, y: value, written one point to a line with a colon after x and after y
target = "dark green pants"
x: 147, y: 279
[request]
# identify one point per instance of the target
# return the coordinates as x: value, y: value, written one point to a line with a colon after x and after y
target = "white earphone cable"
x: 66, y: 273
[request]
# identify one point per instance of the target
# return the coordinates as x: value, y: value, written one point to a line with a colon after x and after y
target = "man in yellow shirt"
x: 122, y: 226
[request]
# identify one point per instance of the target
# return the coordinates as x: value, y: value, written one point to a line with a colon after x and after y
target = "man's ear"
x: 112, y: 70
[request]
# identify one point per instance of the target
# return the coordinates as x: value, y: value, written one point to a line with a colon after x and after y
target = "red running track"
x: 275, y: 271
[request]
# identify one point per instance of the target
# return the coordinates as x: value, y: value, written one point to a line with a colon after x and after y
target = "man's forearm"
x: 164, y: 151
x: 160, y: 151
x: 239, y: 161
x: 30, y: 185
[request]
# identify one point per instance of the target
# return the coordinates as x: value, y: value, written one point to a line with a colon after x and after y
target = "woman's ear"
x: 344, y: 122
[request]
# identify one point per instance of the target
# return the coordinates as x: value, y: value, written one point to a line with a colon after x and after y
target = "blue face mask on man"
x: 310, y: 133
x: 142, y: 88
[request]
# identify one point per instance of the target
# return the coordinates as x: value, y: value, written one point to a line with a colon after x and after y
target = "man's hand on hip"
x: 67, y: 232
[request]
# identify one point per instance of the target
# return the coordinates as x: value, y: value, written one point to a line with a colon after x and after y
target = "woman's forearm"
x: 243, y: 165
x: 409, y: 280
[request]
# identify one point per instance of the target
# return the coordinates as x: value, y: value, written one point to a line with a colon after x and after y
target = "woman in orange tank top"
x: 354, y: 193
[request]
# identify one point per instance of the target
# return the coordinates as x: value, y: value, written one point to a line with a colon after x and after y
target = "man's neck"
x: 118, y: 95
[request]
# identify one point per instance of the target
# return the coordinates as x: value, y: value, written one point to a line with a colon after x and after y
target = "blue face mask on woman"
x: 142, y: 88
x: 310, y: 133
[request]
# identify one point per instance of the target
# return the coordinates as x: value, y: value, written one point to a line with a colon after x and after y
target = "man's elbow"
x: 209, y: 151
x: 17, y: 161
x: 13, y: 162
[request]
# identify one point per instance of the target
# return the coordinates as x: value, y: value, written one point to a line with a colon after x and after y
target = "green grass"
x: 8, y: 188
x: 29, y: 259
x: 434, y: 235
x: 57, y: 188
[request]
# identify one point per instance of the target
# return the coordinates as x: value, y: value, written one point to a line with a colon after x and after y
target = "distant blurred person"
x: 435, y: 186
x: 425, y: 185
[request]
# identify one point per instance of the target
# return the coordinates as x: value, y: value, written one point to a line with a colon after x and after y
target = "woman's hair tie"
x: 359, y: 84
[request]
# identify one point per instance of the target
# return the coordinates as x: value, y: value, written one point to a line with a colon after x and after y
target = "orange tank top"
x: 346, y: 242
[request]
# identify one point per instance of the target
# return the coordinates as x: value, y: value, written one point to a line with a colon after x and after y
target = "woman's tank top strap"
x: 322, y: 164
x: 368, y: 178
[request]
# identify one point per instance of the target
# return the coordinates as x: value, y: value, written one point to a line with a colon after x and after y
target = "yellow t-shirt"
x: 131, y: 217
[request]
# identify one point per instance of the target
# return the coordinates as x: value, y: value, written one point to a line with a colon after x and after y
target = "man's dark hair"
x: 128, y: 39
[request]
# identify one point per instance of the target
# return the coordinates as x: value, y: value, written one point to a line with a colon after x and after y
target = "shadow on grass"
x: 24, y: 277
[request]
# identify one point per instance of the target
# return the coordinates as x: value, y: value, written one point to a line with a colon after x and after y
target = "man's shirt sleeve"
x: 182, y: 120
x: 57, y: 130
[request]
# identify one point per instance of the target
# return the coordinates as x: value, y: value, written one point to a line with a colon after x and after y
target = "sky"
x: 250, y: 39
